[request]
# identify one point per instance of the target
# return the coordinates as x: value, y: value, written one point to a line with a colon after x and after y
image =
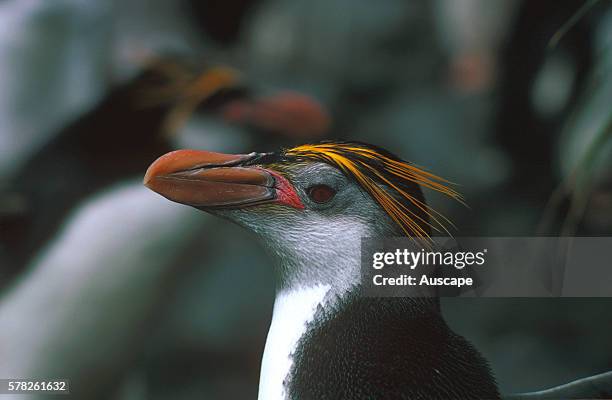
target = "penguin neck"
x: 319, y: 261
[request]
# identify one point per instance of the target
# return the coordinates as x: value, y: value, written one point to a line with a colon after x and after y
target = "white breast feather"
x: 293, y: 309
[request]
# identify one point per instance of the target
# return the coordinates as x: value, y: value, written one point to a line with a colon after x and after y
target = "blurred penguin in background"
x: 130, y: 126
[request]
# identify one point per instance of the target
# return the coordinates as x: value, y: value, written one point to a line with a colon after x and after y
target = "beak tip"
x: 146, y: 181
x: 163, y: 165
x: 152, y: 172
x: 150, y: 175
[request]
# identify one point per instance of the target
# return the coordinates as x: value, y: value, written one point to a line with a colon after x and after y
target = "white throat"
x: 310, y: 270
x: 293, y: 309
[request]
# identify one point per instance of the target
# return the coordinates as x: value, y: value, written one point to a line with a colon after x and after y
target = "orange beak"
x: 210, y: 180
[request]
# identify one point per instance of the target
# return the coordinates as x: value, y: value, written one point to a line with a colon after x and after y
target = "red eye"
x: 321, y: 193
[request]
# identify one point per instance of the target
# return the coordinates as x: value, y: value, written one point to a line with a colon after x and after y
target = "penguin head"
x: 310, y: 204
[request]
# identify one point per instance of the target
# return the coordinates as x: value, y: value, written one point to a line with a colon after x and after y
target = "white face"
x: 319, y: 244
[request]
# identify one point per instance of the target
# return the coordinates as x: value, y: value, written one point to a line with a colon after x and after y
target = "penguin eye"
x: 321, y: 193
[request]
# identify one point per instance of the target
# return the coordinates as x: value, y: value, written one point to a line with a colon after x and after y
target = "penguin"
x: 311, y: 205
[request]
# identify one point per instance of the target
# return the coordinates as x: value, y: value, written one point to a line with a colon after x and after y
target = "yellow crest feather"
x: 374, y: 168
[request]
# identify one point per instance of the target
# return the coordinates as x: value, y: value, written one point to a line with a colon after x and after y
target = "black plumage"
x: 386, y: 348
